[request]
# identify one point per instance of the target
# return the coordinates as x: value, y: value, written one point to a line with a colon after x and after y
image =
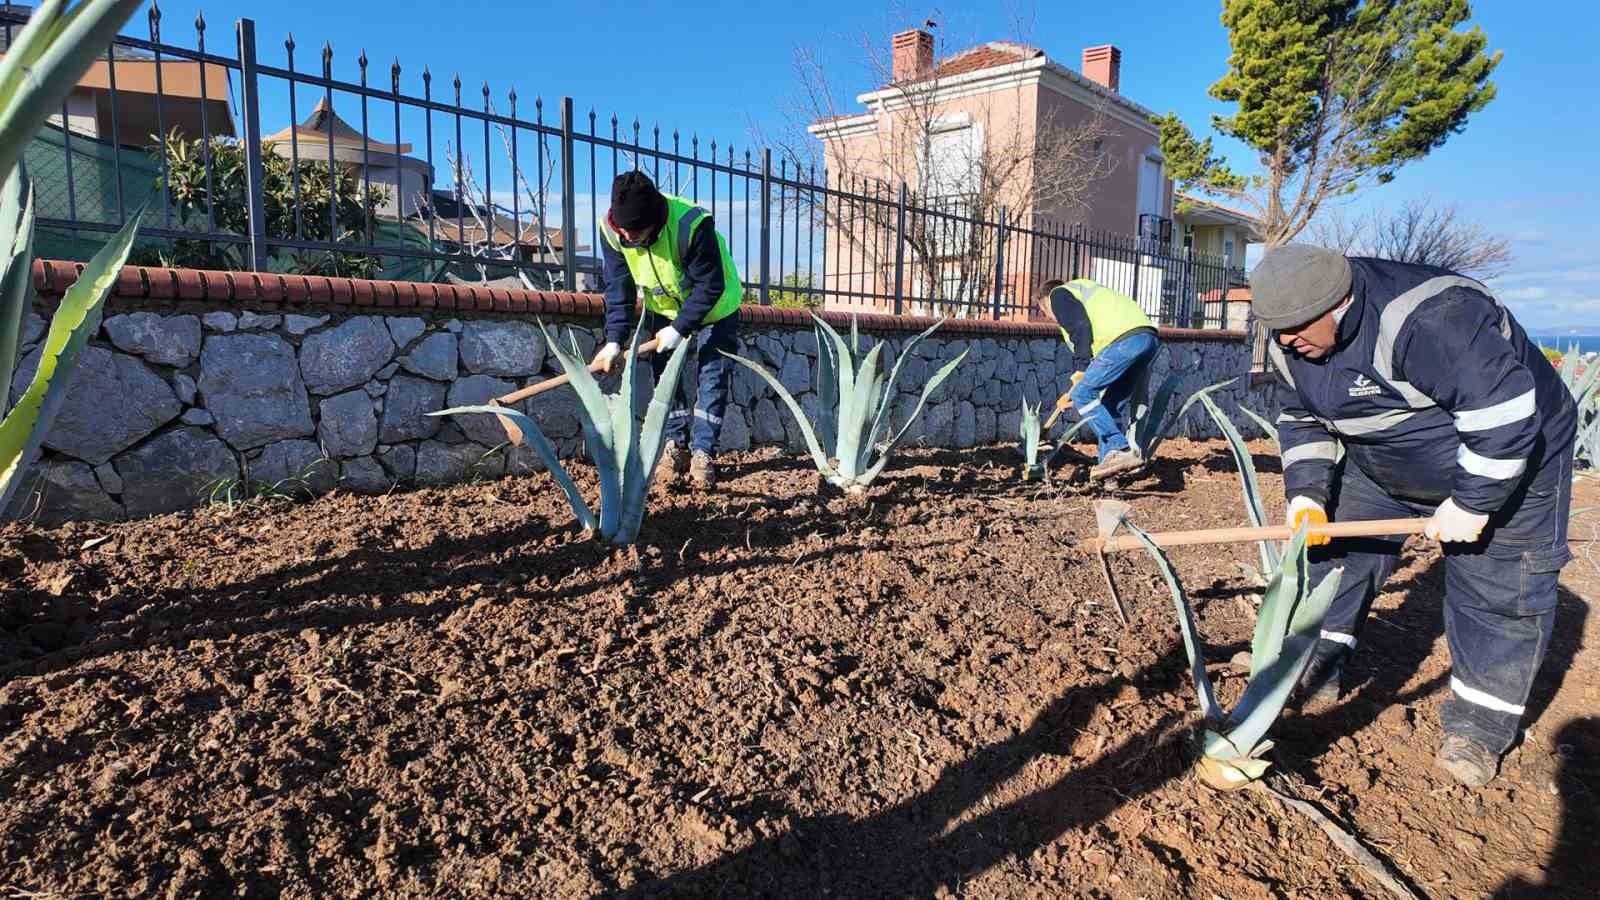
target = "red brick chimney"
x: 1103, y: 65
x: 911, y: 55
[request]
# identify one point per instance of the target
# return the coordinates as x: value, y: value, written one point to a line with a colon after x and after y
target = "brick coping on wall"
x: 52, y: 278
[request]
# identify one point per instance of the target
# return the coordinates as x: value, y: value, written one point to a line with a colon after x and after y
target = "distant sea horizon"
x: 1587, y: 343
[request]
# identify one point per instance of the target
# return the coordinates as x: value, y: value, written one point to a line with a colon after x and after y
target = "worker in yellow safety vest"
x: 1112, y: 342
x: 669, y: 248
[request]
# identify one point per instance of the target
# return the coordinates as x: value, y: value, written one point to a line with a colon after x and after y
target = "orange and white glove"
x: 1304, y: 511
x: 1452, y: 523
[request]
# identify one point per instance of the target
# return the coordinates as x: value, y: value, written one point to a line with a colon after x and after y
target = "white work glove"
x: 607, y: 355
x: 1452, y: 523
x: 667, y: 339
x: 1306, y: 511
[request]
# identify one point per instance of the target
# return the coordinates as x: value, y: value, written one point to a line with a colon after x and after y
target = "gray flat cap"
x: 1296, y: 283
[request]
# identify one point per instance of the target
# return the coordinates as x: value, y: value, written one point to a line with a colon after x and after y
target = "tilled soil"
x: 779, y: 693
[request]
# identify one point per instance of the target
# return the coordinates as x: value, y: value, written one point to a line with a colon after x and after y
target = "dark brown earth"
x: 449, y: 693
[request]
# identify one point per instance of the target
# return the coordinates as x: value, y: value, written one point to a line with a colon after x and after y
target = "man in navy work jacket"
x: 669, y: 248
x: 1414, y: 393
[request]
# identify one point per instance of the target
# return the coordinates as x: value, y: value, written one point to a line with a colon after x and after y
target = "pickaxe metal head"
x: 1109, y: 516
x: 513, y: 432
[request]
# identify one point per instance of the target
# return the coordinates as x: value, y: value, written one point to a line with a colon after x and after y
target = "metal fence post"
x: 1138, y: 263
x: 999, y: 262
x: 569, y: 201
x: 249, y: 90
x: 766, y: 226
x: 900, y: 251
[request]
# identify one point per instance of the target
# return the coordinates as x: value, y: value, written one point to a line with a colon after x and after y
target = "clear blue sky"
x: 1524, y: 168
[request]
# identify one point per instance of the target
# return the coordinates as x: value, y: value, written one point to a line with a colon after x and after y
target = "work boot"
x: 703, y: 470
x: 674, y: 462
x: 1468, y: 761
x: 1323, y: 679
x: 1117, y: 462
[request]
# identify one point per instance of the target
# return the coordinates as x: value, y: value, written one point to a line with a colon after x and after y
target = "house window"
x: 1151, y: 201
x: 954, y: 158
x: 1227, y: 252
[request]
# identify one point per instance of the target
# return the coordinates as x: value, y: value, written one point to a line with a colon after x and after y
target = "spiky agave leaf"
x: 1270, y: 687
x: 16, y: 279
x: 881, y: 423
x: 1266, y: 427
x: 650, y: 444
x: 1285, y: 585
x: 855, y: 412
x: 1191, y: 638
x: 922, y: 400
x: 818, y: 455
x: 1254, y: 502
x: 1029, y: 433
x: 1150, y: 428
x: 827, y: 390
x: 547, y: 453
x: 624, y: 436
x: 76, y: 318
x: 594, y: 414
x: 1203, y: 392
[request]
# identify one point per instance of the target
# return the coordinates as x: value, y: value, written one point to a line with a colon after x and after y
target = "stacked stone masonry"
x: 181, y: 400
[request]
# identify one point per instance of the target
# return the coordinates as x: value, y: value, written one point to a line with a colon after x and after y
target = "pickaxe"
x: 513, y: 433
x: 1110, y: 514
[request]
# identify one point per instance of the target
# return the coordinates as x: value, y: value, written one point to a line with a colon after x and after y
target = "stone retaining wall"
x: 202, y: 386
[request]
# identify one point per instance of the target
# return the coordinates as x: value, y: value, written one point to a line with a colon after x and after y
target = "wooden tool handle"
x: 550, y: 384
x: 1369, y: 528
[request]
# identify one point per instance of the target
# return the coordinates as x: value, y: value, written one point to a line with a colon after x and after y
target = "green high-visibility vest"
x: 658, y: 269
x: 1112, y: 314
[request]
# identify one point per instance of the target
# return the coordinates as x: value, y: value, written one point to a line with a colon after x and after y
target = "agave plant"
x: 1032, y: 470
x: 1585, y: 390
x: 1286, y: 631
x: 853, y: 437
x: 40, y: 67
x: 624, y: 451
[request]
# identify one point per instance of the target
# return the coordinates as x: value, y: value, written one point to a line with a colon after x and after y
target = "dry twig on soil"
x: 1374, y: 865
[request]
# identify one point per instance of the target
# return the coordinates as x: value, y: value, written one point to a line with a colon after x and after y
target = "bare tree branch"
x: 960, y: 163
x: 1421, y: 231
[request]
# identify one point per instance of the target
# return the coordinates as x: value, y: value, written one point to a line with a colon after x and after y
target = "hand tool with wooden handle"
x: 1061, y: 406
x: 1368, y: 528
x: 1063, y: 403
x: 513, y: 433
x: 1110, y: 514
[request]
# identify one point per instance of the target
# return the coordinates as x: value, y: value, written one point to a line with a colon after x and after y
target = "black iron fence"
x: 371, y: 177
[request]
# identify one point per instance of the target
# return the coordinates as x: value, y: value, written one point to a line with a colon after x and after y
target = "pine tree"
x: 1333, y: 95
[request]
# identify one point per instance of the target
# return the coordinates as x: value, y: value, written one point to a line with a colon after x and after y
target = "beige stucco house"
x: 947, y: 126
x: 1208, y: 228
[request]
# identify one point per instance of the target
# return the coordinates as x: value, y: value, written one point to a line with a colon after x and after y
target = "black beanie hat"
x: 636, y: 204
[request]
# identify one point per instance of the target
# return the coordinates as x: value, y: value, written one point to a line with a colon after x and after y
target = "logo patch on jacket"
x: 1365, y: 387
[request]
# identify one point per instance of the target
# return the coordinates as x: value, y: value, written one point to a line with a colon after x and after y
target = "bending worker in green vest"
x: 669, y: 248
x: 1113, y: 342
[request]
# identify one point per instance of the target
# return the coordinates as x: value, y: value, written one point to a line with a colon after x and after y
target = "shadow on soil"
x: 44, y: 633
x: 1570, y: 871
x: 912, y: 848
x: 937, y: 838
